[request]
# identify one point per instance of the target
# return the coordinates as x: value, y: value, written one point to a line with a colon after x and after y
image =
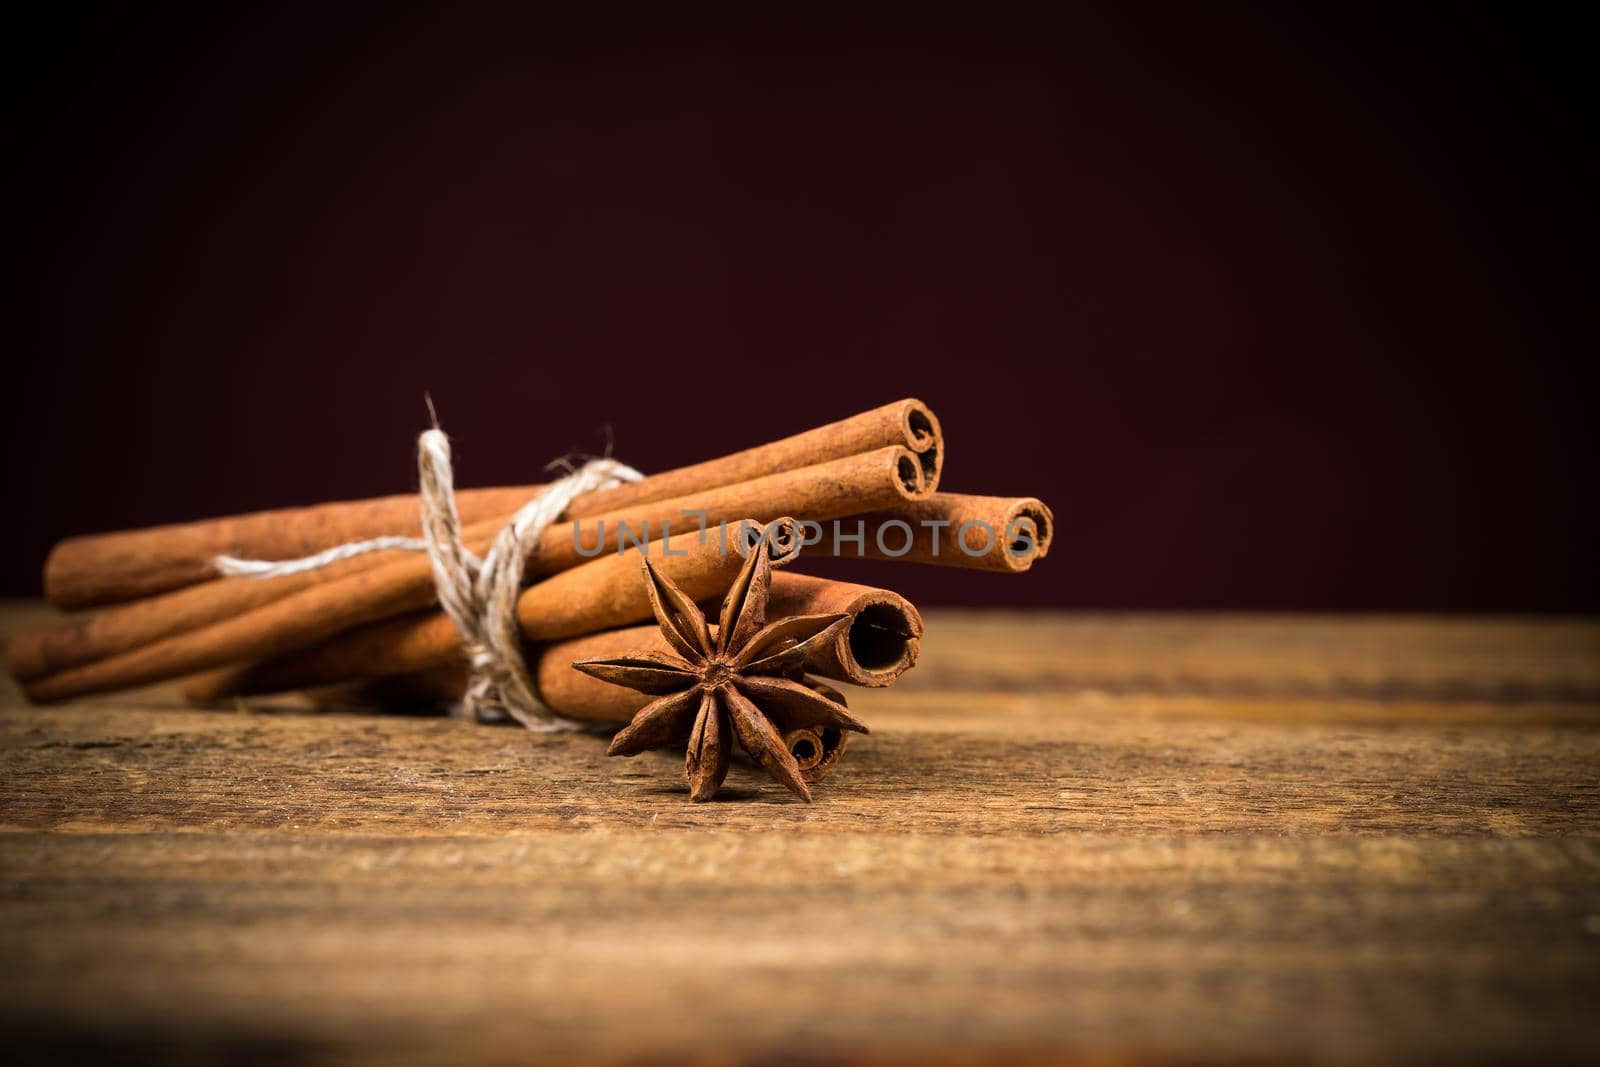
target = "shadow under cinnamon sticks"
x: 434, y: 691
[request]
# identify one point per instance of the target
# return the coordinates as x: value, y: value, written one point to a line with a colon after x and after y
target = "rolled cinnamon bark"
x: 123, y: 627
x: 805, y: 745
x: 817, y: 749
x: 113, y: 567
x: 110, y: 568
x: 824, y: 491
x: 885, y: 633
x: 832, y: 742
x: 887, y: 630
x: 991, y: 533
x: 599, y: 595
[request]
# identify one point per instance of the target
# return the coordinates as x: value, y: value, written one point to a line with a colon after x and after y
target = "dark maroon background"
x: 1275, y: 314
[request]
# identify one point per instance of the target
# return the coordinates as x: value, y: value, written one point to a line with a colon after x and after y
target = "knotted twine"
x: 479, y: 594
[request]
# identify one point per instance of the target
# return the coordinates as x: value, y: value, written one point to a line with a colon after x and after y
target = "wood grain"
x: 1117, y: 839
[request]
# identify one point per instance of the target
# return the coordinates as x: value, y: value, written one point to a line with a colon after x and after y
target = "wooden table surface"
x: 1112, y: 838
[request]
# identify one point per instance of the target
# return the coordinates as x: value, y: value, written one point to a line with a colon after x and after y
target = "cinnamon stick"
x: 109, y: 568
x: 990, y: 533
x: 885, y: 633
x: 113, y: 567
x: 824, y: 491
x: 890, y: 643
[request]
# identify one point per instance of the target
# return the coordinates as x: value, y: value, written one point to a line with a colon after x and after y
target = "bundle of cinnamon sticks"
x: 164, y: 612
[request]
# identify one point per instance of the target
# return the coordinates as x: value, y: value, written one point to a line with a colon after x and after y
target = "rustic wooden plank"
x: 1001, y: 764
x: 543, y: 943
x: 1440, y: 659
x: 1377, y: 840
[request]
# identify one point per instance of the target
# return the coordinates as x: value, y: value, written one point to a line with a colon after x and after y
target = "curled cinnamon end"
x: 817, y: 750
x: 925, y: 439
x: 806, y: 748
x: 909, y: 471
x: 1030, y: 509
x: 882, y: 641
x: 988, y: 533
x: 1022, y: 536
x: 782, y: 538
x: 881, y: 644
x: 910, y: 479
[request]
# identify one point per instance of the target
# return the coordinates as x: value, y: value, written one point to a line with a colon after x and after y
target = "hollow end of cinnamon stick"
x: 833, y: 741
x: 881, y: 644
x: 817, y: 749
x: 924, y: 438
x: 909, y: 470
x: 882, y: 641
x: 1044, y: 524
x: 1017, y: 546
x: 781, y: 539
x: 805, y: 745
x: 988, y: 533
x: 1023, y: 534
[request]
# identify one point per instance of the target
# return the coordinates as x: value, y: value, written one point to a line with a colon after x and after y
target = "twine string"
x: 234, y: 567
x: 479, y: 594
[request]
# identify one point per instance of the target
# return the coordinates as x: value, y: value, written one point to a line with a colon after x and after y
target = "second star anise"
x: 731, y: 684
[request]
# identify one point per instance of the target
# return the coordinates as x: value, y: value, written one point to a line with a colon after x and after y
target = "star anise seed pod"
x: 727, y: 685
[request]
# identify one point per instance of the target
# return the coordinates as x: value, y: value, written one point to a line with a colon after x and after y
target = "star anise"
x: 737, y: 683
